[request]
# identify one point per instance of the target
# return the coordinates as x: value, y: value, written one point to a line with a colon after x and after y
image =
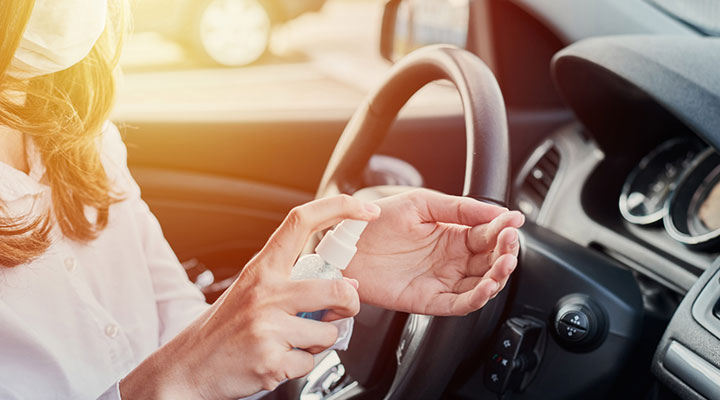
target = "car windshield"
x: 701, y: 14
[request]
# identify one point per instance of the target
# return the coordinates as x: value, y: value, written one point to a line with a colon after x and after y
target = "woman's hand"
x: 431, y: 253
x: 251, y: 338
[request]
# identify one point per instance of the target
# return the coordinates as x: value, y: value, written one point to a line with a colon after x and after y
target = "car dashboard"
x: 636, y: 177
x: 574, y: 188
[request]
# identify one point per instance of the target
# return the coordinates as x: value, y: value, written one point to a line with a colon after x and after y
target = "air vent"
x: 537, y: 177
x: 542, y: 174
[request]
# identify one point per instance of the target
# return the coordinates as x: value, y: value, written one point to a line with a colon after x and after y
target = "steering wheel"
x: 431, y: 347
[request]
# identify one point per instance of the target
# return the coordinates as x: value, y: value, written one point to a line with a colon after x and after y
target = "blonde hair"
x: 63, y: 113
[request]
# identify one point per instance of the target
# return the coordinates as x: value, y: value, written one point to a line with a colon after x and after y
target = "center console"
x: 688, y: 357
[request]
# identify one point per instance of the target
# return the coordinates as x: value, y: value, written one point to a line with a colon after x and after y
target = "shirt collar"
x: 32, y: 154
x: 15, y: 184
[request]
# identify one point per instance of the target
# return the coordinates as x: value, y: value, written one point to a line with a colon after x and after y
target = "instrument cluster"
x: 677, y: 185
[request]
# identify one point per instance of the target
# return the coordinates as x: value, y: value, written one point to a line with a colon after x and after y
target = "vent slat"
x: 537, y: 187
x: 538, y: 182
x: 543, y: 174
x: 547, y: 166
x: 553, y: 156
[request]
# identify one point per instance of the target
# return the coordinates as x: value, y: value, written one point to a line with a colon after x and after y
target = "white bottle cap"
x: 337, y: 247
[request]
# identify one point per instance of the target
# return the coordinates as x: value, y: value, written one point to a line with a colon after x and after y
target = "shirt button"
x: 70, y: 264
x: 111, y: 330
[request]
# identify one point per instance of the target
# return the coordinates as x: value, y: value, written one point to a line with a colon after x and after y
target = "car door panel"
x: 218, y: 220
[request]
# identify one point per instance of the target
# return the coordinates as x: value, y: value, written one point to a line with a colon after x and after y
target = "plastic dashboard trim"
x: 685, y: 330
x: 563, y: 213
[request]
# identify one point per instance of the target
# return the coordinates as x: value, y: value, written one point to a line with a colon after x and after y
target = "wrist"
x: 156, y: 378
x: 364, y: 290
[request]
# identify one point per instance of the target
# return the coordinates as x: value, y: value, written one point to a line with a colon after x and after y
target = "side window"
x: 216, y: 57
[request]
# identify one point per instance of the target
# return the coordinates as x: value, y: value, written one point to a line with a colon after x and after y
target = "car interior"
x: 599, y: 120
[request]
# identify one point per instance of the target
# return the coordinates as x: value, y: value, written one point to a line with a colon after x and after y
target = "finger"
x: 332, y: 315
x: 309, y: 295
x: 298, y: 363
x: 466, y: 302
x: 456, y: 210
x: 312, y: 336
x: 502, y: 268
x: 302, y: 221
x: 484, y: 237
x: 479, y: 264
x: 507, y: 243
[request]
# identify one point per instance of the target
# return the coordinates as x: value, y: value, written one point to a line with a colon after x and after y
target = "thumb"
x: 289, y: 239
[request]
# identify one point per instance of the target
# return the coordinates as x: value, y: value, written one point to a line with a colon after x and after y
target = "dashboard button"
x: 580, y: 323
x: 577, y: 319
x: 570, y: 332
x: 508, y: 343
x: 495, y: 379
x: 515, y: 355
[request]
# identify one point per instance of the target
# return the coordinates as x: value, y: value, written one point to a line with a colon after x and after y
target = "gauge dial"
x: 709, y: 211
x: 693, y: 215
x: 649, y: 185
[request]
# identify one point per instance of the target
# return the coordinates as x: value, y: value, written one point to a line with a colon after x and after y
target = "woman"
x: 94, y: 303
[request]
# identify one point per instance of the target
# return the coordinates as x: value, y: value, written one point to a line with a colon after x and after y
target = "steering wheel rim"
x: 441, y: 340
x: 487, y: 156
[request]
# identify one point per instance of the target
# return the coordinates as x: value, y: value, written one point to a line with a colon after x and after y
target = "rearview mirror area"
x: 410, y: 24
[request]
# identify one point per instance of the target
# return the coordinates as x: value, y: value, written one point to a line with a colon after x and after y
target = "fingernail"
x: 353, y: 282
x: 372, y: 208
x: 495, y: 286
x: 514, y: 244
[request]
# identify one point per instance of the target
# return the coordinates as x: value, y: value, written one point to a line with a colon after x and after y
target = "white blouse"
x: 79, y: 318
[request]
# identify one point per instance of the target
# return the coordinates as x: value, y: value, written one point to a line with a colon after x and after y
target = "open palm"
x: 430, y: 253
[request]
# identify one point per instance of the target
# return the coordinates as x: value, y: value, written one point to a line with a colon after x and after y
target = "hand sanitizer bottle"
x: 332, y: 256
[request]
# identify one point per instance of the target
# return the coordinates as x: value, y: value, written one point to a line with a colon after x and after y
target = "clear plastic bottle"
x: 332, y: 256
